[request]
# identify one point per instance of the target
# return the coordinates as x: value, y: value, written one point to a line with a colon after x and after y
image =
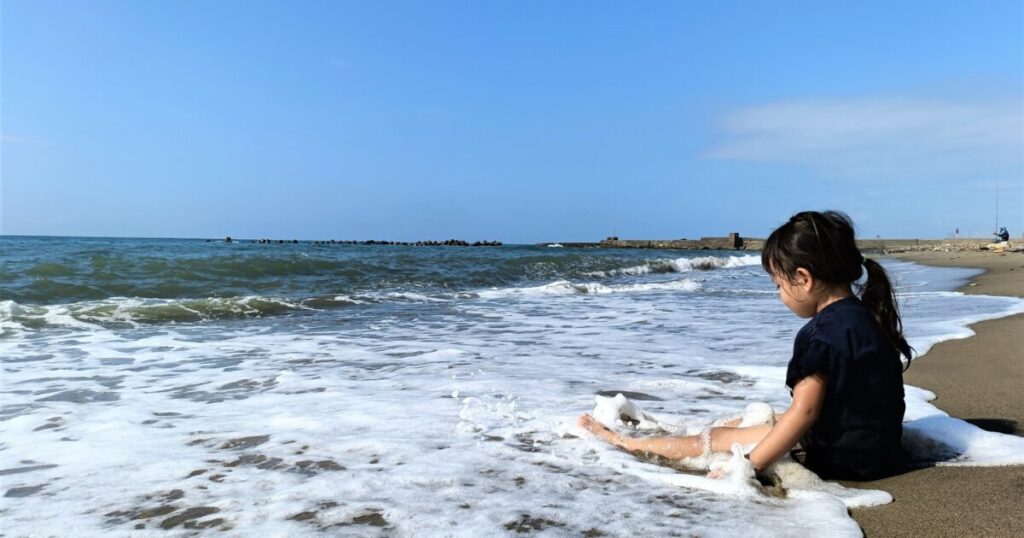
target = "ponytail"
x: 877, y: 294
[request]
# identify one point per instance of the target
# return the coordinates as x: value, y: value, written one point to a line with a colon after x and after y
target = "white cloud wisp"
x: 881, y: 139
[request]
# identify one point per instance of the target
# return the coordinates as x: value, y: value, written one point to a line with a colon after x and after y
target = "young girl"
x: 846, y: 375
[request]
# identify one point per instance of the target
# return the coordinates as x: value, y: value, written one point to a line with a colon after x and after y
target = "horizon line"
x: 235, y: 239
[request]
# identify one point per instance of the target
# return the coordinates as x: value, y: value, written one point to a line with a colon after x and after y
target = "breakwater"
x: 429, y: 243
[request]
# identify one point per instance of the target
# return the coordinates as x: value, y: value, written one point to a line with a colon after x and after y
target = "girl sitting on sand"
x: 845, y: 376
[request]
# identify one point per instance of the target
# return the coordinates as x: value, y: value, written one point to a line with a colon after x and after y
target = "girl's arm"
x: 808, y: 396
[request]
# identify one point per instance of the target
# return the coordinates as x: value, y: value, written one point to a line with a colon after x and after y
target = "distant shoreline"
x: 737, y: 242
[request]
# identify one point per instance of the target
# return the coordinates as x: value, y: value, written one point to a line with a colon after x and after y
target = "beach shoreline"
x: 977, y: 379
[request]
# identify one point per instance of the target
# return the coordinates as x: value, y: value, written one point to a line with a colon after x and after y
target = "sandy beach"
x: 978, y: 379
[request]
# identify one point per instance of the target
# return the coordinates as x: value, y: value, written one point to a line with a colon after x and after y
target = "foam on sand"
x: 932, y: 436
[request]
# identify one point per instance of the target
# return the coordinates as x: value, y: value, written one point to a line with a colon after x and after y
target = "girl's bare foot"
x: 591, y: 424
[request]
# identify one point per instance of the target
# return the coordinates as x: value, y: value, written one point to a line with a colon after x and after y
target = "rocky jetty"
x: 446, y: 243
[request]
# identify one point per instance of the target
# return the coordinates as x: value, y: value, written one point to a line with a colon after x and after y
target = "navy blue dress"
x: 858, y: 433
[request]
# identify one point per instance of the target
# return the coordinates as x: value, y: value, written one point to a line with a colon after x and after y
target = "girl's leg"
x: 723, y: 438
x: 678, y: 447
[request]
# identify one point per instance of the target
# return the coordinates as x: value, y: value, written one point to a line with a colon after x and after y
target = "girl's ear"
x: 803, y: 279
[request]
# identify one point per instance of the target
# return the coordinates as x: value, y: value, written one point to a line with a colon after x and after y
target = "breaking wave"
x: 136, y: 311
x: 684, y: 265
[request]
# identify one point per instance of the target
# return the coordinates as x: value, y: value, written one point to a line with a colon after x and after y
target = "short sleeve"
x: 814, y: 357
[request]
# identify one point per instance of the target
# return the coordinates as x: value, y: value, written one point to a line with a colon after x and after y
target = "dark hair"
x: 824, y: 245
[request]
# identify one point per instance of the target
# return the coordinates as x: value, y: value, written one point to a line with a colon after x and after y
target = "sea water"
x: 157, y: 387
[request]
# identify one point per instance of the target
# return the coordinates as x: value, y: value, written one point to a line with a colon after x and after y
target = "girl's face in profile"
x: 796, y: 294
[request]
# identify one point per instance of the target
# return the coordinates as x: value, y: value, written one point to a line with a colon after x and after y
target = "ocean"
x: 165, y: 386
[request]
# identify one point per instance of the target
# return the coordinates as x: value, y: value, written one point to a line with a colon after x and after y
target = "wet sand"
x: 980, y: 379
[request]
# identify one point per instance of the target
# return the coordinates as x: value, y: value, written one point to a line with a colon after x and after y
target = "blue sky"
x: 517, y: 121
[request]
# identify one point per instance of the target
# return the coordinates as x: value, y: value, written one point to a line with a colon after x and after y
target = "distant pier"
x: 731, y: 242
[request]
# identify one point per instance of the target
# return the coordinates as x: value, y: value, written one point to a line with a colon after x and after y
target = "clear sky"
x: 517, y: 121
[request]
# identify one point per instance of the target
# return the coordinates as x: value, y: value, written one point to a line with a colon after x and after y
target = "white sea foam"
x: 565, y: 287
x: 427, y: 417
x: 619, y: 413
x: 684, y: 265
x: 933, y: 435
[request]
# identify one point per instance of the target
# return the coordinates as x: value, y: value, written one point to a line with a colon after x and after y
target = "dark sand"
x: 980, y: 379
